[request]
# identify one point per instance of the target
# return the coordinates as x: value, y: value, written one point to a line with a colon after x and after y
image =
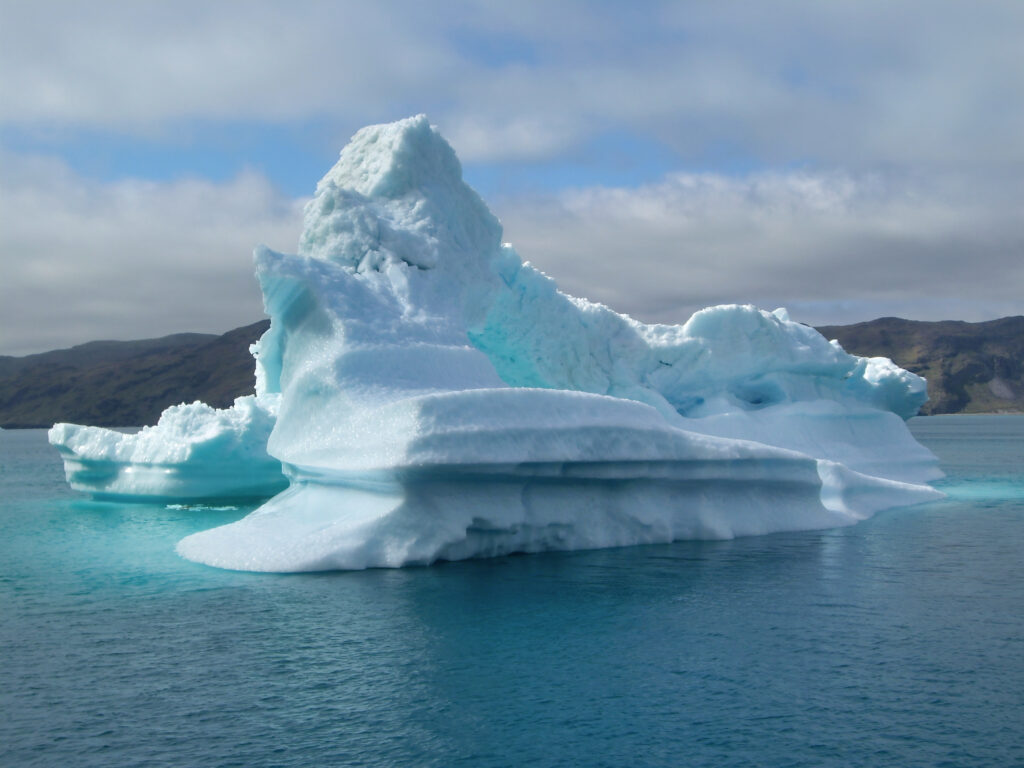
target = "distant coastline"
x: 970, y: 367
x: 126, y: 383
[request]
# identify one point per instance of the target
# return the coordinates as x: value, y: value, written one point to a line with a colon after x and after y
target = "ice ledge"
x: 455, y: 513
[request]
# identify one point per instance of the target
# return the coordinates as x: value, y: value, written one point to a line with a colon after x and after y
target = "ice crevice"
x: 433, y: 397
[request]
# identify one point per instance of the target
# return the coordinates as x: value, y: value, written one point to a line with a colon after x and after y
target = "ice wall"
x: 441, y: 399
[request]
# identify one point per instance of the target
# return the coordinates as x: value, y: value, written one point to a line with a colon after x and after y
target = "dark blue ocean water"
x: 897, y: 642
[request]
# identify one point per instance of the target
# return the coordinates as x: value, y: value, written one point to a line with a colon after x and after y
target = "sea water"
x: 899, y: 641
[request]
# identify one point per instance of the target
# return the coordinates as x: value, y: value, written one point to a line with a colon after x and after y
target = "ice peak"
x: 396, y: 194
x: 392, y: 159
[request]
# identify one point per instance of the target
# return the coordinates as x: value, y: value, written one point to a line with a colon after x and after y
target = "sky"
x: 848, y: 159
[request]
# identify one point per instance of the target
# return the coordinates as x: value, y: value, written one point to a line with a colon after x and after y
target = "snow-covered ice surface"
x: 439, y: 399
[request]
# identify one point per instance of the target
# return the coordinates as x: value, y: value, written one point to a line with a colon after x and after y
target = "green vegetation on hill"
x: 970, y: 368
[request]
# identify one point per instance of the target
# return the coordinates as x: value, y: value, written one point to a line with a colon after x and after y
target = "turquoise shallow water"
x: 899, y: 641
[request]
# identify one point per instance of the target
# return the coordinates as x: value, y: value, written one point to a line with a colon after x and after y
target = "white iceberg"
x: 442, y: 400
x: 194, y: 453
x: 432, y: 397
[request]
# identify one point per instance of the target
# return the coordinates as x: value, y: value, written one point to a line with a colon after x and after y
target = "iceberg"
x: 437, y: 398
x: 195, y: 453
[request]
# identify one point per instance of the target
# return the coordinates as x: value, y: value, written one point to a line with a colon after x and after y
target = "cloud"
x: 832, y: 247
x: 866, y: 157
x: 840, y: 84
x: 131, y: 259
x: 137, y: 66
x: 509, y: 137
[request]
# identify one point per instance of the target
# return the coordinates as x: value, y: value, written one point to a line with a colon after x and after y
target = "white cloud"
x: 907, y: 118
x: 831, y: 247
x: 841, y: 84
x: 131, y: 259
x: 135, y: 66
x: 509, y: 137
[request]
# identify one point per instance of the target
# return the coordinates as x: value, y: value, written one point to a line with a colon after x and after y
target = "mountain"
x: 126, y: 383
x: 970, y: 367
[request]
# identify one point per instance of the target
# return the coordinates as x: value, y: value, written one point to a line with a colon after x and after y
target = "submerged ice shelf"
x: 433, y: 397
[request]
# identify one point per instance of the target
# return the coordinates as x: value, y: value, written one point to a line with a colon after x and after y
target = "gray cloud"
x: 131, y: 259
x: 848, y: 84
x: 132, y: 66
x: 896, y: 131
x: 831, y: 247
